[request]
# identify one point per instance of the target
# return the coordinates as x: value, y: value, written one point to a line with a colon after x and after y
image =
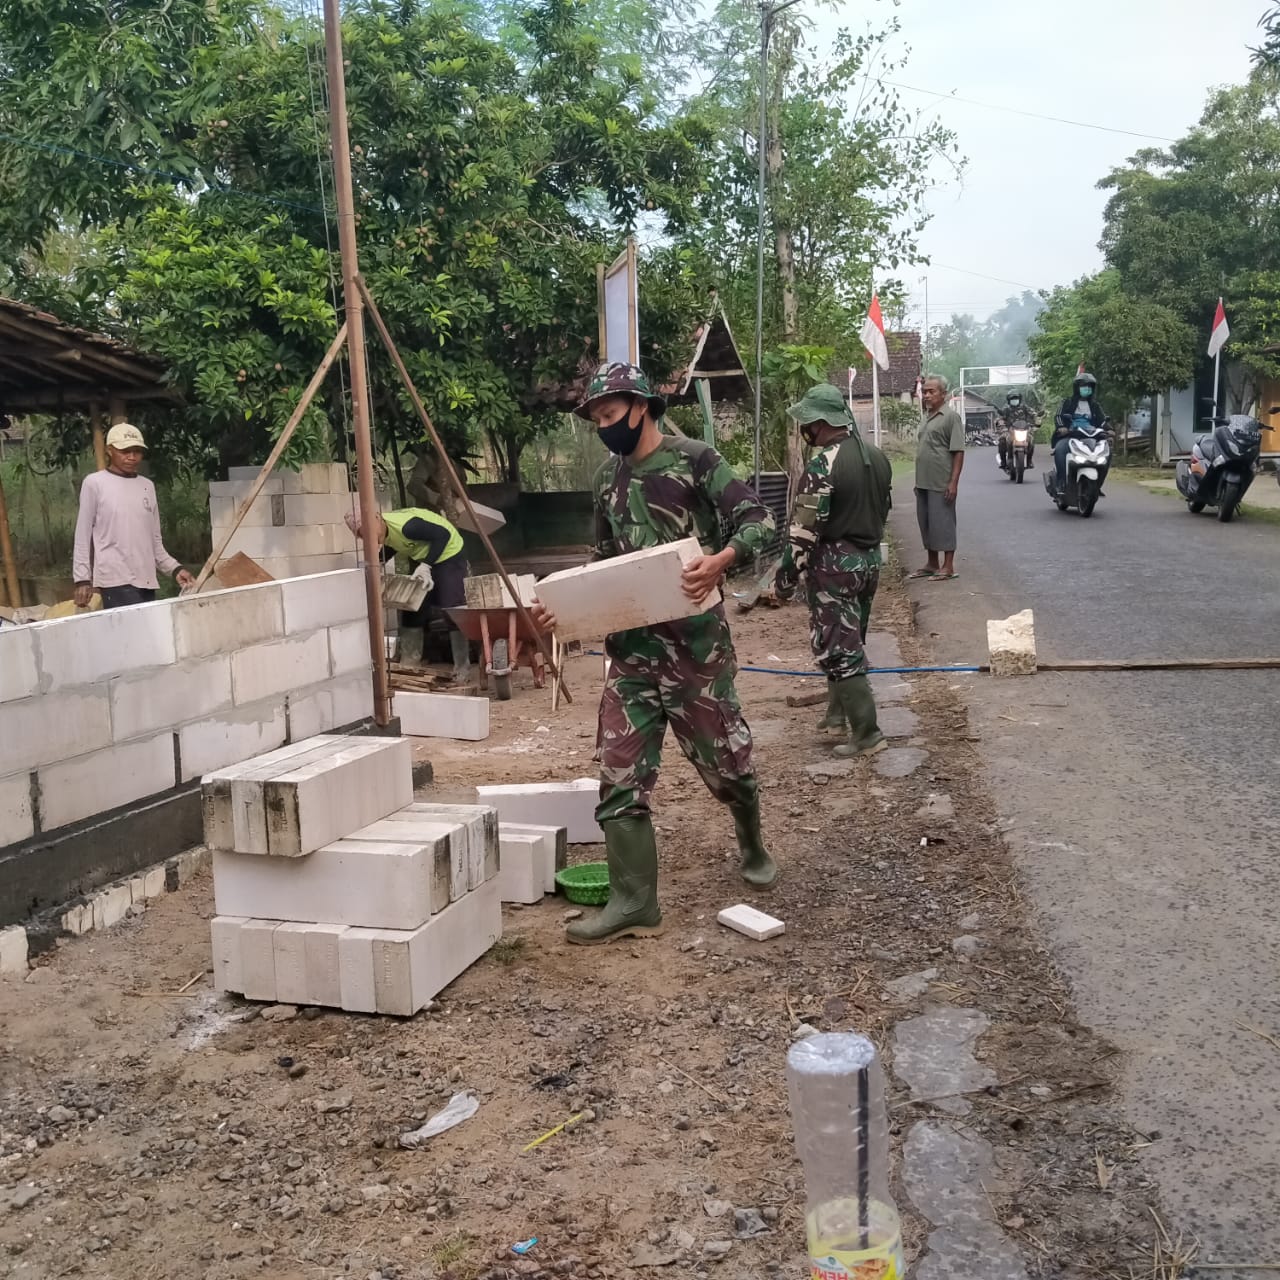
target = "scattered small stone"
x: 968, y: 945
x: 297, y: 1071
x: 312, y: 1012
x: 588, y: 1116
x: 691, y: 946
x: 910, y: 986
x: 717, y: 1250
x: 339, y: 1102
x: 61, y: 1115
x: 1040, y: 1091
x: 804, y: 1031
x: 375, y: 1191
x: 574, y: 914
x: 280, y: 1013
x: 748, y: 1223
x: 42, y: 973
x: 879, y: 953
x: 23, y: 1196
x: 770, y: 1213
x: 682, y: 1123
x: 971, y: 922
x: 716, y: 1208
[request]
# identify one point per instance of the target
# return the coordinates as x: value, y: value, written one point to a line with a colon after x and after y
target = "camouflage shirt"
x: 680, y: 490
x: 840, y: 498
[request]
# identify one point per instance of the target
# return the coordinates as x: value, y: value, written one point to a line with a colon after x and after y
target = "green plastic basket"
x: 587, y: 883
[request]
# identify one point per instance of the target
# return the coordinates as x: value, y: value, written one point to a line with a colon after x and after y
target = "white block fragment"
x: 228, y: 972
x: 755, y: 924
x: 571, y: 805
x: 13, y: 949
x: 442, y: 715
x: 110, y: 906
x: 1012, y: 644
x: 79, y: 920
x: 523, y: 874
x: 370, y: 884
x: 554, y: 849
x: 635, y: 590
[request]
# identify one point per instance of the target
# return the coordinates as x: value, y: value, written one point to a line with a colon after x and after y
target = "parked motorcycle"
x: 1222, y: 466
x: 1088, y: 461
x: 1017, y: 447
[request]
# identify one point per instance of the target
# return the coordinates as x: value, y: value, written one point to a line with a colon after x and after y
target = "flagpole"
x: 875, y: 401
x: 1217, y: 366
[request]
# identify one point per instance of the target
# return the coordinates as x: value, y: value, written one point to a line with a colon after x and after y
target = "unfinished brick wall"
x: 107, y: 708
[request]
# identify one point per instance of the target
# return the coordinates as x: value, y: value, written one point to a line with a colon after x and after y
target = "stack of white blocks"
x: 333, y: 888
x: 295, y: 525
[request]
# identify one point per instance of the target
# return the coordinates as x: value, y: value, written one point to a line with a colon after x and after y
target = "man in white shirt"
x: 118, y: 545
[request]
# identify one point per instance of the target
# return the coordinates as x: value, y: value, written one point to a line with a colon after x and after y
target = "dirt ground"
x: 146, y: 1133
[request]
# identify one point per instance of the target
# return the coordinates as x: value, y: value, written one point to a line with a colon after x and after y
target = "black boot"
x: 632, y: 910
x: 834, y: 718
x: 758, y: 868
x: 859, y: 703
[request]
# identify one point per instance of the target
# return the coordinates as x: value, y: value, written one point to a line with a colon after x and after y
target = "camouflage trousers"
x: 841, y: 583
x: 683, y: 677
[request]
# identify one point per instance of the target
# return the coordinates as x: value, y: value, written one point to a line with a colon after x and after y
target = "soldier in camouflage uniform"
x: 658, y: 489
x: 841, y: 505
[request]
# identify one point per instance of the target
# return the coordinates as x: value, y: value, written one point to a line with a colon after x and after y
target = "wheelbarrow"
x: 508, y: 640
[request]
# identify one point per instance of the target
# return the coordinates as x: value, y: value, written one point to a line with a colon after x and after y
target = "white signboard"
x: 619, y: 310
x: 1010, y: 375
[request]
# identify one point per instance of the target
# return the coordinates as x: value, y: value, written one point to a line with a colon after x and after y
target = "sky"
x: 1026, y: 210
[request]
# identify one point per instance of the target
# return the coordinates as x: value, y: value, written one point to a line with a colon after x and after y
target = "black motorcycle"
x: 1222, y: 466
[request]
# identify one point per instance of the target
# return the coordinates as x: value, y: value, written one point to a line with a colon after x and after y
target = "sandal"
x: 920, y: 573
x: 943, y: 577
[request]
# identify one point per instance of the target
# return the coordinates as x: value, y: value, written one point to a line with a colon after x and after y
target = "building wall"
x: 106, y: 708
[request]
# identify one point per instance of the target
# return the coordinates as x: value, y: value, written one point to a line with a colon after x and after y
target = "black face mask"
x: 621, y: 437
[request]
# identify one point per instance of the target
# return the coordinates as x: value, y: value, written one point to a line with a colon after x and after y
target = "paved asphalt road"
x: 1144, y: 809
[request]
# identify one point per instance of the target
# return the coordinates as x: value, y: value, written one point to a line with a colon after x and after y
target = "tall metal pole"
x: 766, y: 17
x: 354, y: 307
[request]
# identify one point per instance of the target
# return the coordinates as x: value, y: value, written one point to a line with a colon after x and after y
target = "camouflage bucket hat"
x: 619, y: 379
x: 822, y: 403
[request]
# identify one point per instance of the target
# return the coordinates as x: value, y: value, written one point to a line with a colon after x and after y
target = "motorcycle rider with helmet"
x: 1080, y: 408
x: 1014, y: 412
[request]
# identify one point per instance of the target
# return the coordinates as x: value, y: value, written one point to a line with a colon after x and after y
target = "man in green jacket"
x: 423, y: 536
x: 842, y: 502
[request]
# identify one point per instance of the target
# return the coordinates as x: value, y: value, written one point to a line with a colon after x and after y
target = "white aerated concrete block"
x: 110, y: 906
x: 228, y: 972
x: 755, y: 924
x: 289, y: 946
x: 230, y: 736
x: 258, y: 959
x: 442, y: 715
x: 523, y: 875
x: 571, y: 805
x: 92, y: 647
x: 238, y: 490
x: 481, y: 822
x: 163, y: 697
x: 17, y: 662
x: 355, y: 970
x: 222, y: 513
x: 226, y: 621
x: 554, y: 849
x: 323, y: 600
x: 291, y: 540
x: 16, y: 819
x: 349, y: 648
x: 278, y: 666
x: 369, y: 884
x: 324, y: 973
x: 639, y: 589
x: 1012, y: 644
x: 315, y: 477
x: 335, y: 704
x: 42, y: 730
x: 424, y: 829
x: 85, y: 785
x: 79, y: 920
x: 13, y: 949
x: 319, y: 508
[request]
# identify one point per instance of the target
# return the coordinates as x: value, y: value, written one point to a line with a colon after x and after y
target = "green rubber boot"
x: 859, y: 703
x: 632, y: 910
x: 460, y: 651
x: 834, y: 719
x: 758, y: 868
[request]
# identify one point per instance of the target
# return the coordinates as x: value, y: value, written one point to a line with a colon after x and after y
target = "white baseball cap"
x: 124, y: 435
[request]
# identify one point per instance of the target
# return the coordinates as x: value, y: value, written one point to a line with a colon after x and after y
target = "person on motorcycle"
x: 1079, y: 409
x: 1014, y: 412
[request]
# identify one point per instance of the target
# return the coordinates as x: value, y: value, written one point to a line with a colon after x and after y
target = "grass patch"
x: 448, y: 1253
x: 508, y: 950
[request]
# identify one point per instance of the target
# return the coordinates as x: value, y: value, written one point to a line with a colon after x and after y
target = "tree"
x: 486, y: 190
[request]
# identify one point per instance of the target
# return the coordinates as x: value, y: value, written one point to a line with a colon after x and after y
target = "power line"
x: 964, y: 271
x: 1031, y: 115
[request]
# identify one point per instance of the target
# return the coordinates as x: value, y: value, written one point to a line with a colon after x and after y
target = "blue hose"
x: 871, y: 671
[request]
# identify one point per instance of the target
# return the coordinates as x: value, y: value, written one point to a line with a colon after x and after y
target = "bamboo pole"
x: 340, y: 146
x: 384, y: 333
x: 286, y: 435
x: 99, y: 437
x: 6, y: 553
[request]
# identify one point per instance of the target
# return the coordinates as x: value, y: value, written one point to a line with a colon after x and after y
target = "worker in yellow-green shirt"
x: 423, y: 536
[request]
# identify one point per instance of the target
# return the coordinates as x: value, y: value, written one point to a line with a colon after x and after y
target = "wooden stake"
x: 99, y: 436
x: 286, y: 435
x: 6, y: 554
x: 384, y: 333
x: 340, y: 145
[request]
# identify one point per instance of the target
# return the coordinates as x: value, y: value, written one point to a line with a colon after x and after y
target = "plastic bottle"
x: 836, y: 1085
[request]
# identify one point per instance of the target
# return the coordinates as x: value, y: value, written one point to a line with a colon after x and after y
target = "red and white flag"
x: 872, y: 334
x: 1080, y: 368
x: 1221, y: 330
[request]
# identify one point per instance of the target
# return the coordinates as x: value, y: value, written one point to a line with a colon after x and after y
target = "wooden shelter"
x: 716, y: 360
x: 49, y: 366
